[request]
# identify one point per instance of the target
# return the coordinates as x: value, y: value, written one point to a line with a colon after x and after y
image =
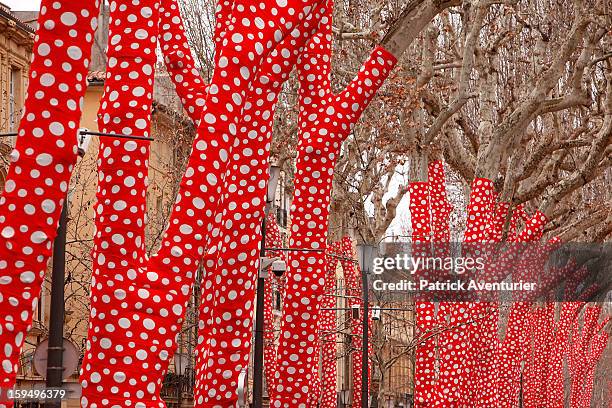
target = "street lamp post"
x: 181, y: 364
x: 258, y: 355
x: 345, y: 398
x: 366, y: 253
x: 55, y: 356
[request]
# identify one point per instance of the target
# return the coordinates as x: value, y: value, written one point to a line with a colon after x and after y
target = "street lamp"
x: 376, y: 313
x: 181, y: 369
x: 346, y: 397
x: 181, y: 363
x: 365, y: 253
x: 243, y: 382
x: 365, y: 256
x: 258, y: 357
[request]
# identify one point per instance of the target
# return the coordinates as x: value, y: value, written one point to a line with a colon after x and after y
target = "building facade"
x: 16, y: 42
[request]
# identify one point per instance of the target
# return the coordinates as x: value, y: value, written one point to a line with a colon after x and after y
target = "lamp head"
x: 366, y: 253
x: 83, y: 141
x: 279, y: 268
x: 355, y: 309
x: 376, y: 313
x: 181, y: 363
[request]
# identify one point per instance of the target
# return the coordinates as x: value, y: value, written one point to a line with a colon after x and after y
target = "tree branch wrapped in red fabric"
x: 325, y: 120
x: 190, y: 86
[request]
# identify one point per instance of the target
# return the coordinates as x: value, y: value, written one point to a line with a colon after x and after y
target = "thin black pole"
x: 365, y: 387
x: 117, y: 136
x: 380, y: 308
x: 258, y: 357
x: 179, y: 396
x: 101, y: 134
x: 55, y: 354
x: 295, y: 249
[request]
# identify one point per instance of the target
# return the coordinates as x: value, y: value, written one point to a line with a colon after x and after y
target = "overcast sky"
x: 22, y: 4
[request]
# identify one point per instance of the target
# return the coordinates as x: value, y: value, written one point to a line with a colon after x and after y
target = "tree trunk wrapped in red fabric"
x: 587, y: 345
x: 327, y: 331
x: 353, y: 279
x: 430, y: 211
x: 157, y: 291
x: 453, y: 385
x: 256, y: 125
x: 535, y: 368
x: 325, y: 120
x: 41, y: 165
x: 238, y: 242
x: 119, y: 240
x: 554, y: 387
x: 425, y: 358
x: 273, y: 240
x: 513, y: 350
x: 507, y: 382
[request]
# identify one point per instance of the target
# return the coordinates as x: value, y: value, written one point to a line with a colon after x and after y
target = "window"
x: 4, y: 162
x: 14, y: 98
x: 278, y: 301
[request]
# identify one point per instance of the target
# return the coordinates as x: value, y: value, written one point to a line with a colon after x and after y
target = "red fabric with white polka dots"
x: 328, y: 336
x: 273, y: 283
x: 559, y: 343
x: 256, y: 126
x: 239, y: 226
x: 512, y: 349
x: 325, y: 121
x: 159, y: 290
x: 457, y: 363
x: 430, y: 211
x: 41, y: 165
x: 215, y: 309
x: 192, y: 90
x: 190, y: 85
x: 585, y: 350
x: 489, y: 361
x: 122, y: 333
x: 490, y: 354
x: 420, y: 219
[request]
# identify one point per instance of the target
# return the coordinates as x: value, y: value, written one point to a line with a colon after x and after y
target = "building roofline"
x: 8, y: 15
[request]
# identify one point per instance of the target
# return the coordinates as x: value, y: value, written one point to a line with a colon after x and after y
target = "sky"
x: 22, y: 4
